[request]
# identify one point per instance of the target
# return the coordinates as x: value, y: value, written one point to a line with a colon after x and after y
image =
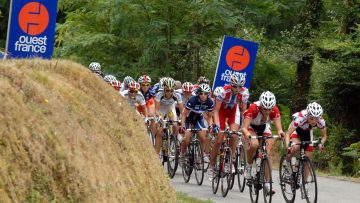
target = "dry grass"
x: 66, y: 136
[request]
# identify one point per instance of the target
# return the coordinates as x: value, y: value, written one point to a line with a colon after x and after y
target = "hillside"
x: 67, y: 136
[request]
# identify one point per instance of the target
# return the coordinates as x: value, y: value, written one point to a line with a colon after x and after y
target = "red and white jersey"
x: 230, y: 100
x: 254, y: 113
x: 300, y: 119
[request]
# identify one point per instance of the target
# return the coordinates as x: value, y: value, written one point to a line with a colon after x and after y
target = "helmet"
x: 314, y: 109
x: 109, y: 78
x: 187, y: 87
x: 127, y: 80
x: 134, y: 86
x: 169, y: 84
x: 95, y: 66
x: 116, y: 84
x: 203, y: 79
x: 144, y: 79
x: 238, y: 79
x: 218, y: 90
x: 267, y: 100
x: 161, y: 82
x: 203, y: 88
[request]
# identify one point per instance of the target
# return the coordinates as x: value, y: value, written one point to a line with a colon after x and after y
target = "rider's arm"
x: 291, y: 129
x: 245, y: 127
x: 278, y: 126
x: 216, y: 111
x: 157, y: 108
x: 144, y: 110
x: 183, y: 117
x: 182, y: 109
x: 323, y: 136
x: 210, y: 118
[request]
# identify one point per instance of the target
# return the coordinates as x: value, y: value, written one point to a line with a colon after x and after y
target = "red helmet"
x: 187, y: 87
x: 144, y: 79
x: 116, y: 84
x: 134, y: 85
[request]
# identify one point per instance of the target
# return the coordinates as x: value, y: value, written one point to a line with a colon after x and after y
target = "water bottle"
x: 294, y: 164
x: 258, y: 162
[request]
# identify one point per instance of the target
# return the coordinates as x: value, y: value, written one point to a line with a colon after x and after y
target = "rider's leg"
x: 158, y: 141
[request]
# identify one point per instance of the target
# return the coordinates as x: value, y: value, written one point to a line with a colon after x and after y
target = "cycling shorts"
x: 232, y: 114
x: 261, y: 130
x: 304, y: 135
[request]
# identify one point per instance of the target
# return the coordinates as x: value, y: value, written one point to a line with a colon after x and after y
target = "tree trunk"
x: 304, y: 65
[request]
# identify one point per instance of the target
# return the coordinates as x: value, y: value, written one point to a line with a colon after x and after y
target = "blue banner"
x: 31, y: 30
x: 236, y: 56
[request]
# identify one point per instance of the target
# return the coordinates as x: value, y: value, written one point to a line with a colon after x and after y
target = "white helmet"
x: 218, y: 90
x: 144, y: 79
x: 238, y: 79
x: 95, y: 66
x: 267, y: 100
x: 109, y: 78
x: 314, y: 109
x: 127, y: 80
x: 187, y: 87
x: 169, y: 84
x: 203, y: 87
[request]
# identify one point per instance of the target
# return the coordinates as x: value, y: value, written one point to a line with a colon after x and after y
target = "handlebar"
x: 306, y: 142
x: 196, y: 129
x: 265, y: 137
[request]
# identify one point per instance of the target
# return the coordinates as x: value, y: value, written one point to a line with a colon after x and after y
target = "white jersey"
x: 139, y: 99
x: 122, y: 87
x: 176, y: 98
x: 300, y: 120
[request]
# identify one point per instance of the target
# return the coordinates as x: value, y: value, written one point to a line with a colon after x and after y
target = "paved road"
x: 330, y: 190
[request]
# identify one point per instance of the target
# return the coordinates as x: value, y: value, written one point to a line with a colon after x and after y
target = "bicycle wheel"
x: 254, y: 183
x: 198, y: 163
x: 240, y: 167
x: 287, y: 183
x: 151, y: 136
x: 187, y: 167
x: 227, y: 174
x: 267, y: 191
x: 173, y: 156
x: 309, y: 183
x: 216, y: 176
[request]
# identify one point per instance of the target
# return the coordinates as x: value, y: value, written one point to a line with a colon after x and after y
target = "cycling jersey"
x: 123, y: 87
x: 304, y: 130
x: 197, y: 108
x: 167, y: 106
x: 149, y: 94
x: 138, y: 100
x: 229, y: 100
x: 301, y: 121
x: 257, y: 124
x: 156, y: 87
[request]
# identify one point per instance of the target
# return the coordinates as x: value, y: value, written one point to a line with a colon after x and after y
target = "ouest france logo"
x: 33, y: 19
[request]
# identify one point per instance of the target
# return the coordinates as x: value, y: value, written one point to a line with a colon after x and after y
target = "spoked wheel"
x: 240, y: 167
x: 151, y: 136
x: 254, y: 184
x: 216, y: 176
x: 227, y: 174
x: 287, y: 183
x: 173, y: 156
x: 309, y: 183
x: 187, y: 167
x: 198, y: 163
x: 266, y: 180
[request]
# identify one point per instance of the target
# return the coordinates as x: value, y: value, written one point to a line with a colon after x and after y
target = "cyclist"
x: 227, y: 107
x: 193, y: 117
x: 95, y: 67
x: 126, y: 82
x: 257, y: 123
x: 165, y: 101
x: 187, y: 89
x: 116, y: 85
x: 201, y: 79
x: 217, y: 92
x: 149, y: 94
x: 302, y: 128
x: 135, y: 98
x: 109, y: 78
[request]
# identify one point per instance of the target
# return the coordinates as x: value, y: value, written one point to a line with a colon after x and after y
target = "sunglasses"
x: 145, y: 84
x: 169, y: 90
x: 203, y: 93
x: 133, y: 91
x: 236, y: 86
x: 267, y: 109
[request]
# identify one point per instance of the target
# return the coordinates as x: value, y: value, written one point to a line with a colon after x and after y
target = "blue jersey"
x: 197, y: 108
x: 149, y: 94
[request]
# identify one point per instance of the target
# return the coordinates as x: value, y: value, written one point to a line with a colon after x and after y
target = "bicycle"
x: 194, y: 158
x: 239, y: 164
x: 259, y: 166
x: 223, y: 169
x: 170, y: 147
x: 150, y: 133
x: 292, y: 175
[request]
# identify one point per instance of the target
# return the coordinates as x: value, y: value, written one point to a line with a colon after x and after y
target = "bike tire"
x: 265, y: 166
x: 309, y: 183
x: 216, y: 176
x: 254, y: 184
x: 240, y: 168
x: 198, y: 163
x: 187, y: 167
x: 287, y: 182
x: 173, y: 156
x: 227, y: 175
